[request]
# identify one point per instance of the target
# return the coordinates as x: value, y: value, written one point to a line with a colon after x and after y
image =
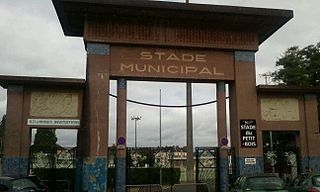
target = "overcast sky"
x: 33, y: 44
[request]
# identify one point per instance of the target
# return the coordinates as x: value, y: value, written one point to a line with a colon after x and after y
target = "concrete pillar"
x: 121, y: 135
x: 94, y: 133
x: 15, y: 161
x: 222, y: 136
x: 244, y: 106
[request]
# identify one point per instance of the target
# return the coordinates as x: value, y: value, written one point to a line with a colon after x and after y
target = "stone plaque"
x: 280, y: 109
x: 54, y: 104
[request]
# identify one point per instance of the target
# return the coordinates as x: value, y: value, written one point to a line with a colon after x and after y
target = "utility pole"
x: 267, y: 77
x: 190, y: 164
x: 160, y: 144
x: 160, y: 119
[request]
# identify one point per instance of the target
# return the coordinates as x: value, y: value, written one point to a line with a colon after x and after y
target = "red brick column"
x: 16, y: 161
x: 243, y: 106
x: 222, y: 136
x: 94, y: 134
x: 121, y: 135
x: 312, y: 137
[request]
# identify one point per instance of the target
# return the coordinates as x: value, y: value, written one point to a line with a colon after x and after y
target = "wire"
x: 167, y: 106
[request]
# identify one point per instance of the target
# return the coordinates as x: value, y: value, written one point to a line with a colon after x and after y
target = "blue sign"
x: 121, y: 140
x: 224, y: 141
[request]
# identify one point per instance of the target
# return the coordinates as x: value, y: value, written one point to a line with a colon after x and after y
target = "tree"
x: 45, y: 140
x: 299, y: 66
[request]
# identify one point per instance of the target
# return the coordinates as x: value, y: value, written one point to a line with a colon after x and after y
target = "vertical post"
x: 271, y: 148
x: 160, y: 119
x: 135, y: 134
x: 190, y: 164
x: 197, y: 164
x: 222, y: 135
x: 121, y: 135
x: 160, y: 144
x: 190, y: 177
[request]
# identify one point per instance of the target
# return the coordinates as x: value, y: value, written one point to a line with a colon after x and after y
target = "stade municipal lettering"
x: 173, y: 69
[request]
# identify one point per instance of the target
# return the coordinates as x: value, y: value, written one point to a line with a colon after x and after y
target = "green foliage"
x: 45, y: 140
x: 299, y: 66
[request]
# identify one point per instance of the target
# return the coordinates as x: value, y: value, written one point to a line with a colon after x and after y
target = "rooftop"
x: 287, y: 89
x: 5, y: 81
x: 72, y: 14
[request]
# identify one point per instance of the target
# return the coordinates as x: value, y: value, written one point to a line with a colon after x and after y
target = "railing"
x: 58, y: 185
x: 186, y: 187
x: 191, y: 187
x: 144, y: 188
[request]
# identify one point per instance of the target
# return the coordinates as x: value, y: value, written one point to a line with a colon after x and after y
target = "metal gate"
x: 145, y: 167
x: 142, y: 169
x: 281, y: 154
x: 285, y: 162
x: 151, y: 166
x: 207, y: 167
x: 53, y: 164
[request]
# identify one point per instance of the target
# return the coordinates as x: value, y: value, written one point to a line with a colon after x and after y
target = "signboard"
x: 171, y: 63
x: 121, y: 143
x: 121, y: 140
x: 248, y: 133
x: 224, y: 141
x: 250, y: 161
x: 53, y: 122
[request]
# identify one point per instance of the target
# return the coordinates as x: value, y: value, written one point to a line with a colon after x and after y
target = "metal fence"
x: 155, y: 169
x: 144, y: 188
x: 54, y: 165
x: 191, y: 187
x: 151, y: 166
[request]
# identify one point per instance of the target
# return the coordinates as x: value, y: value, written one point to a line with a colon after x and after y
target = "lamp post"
x: 135, y: 119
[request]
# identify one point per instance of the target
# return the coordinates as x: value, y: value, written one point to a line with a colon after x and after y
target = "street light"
x: 135, y: 119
